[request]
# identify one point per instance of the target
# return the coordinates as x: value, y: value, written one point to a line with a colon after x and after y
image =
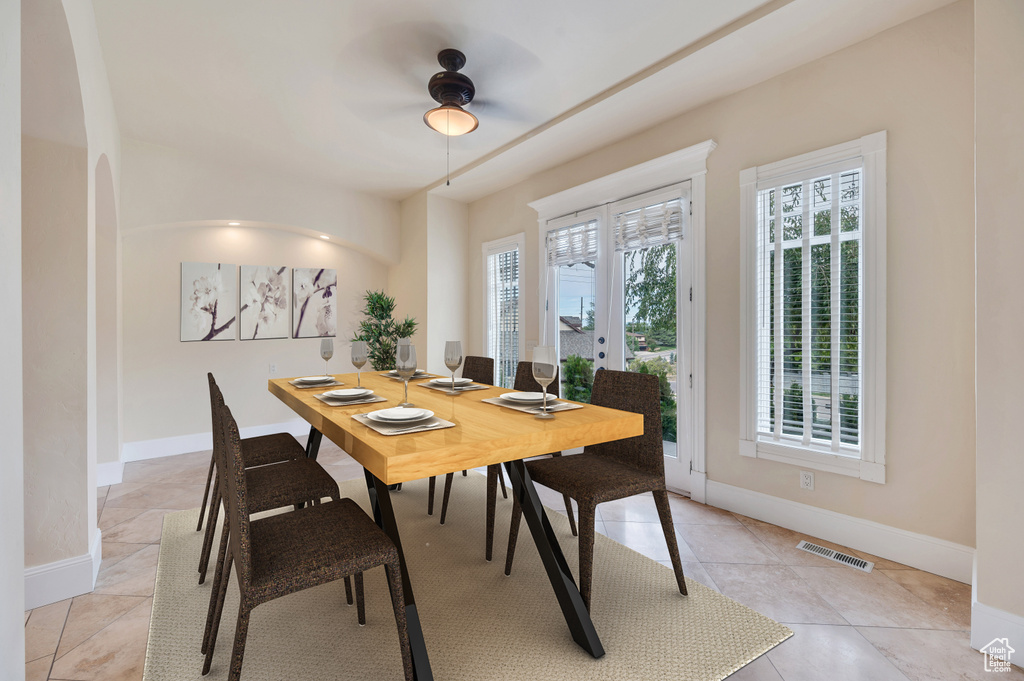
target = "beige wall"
x: 999, y: 50
x: 12, y: 509
x: 108, y: 296
x: 54, y: 215
x: 165, y: 389
x: 429, y: 282
x: 915, y: 81
x: 447, y: 238
x: 407, y: 279
x: 167, y: 186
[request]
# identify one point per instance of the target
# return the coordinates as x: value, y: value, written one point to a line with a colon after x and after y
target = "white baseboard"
x: 110, y: 473
x: 988, y: 623
x: 197, y: 442
x: 45, y: 584
x: 937, y: 556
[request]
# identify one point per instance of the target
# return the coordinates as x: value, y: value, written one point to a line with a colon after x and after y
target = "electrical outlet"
x: 806, y: 480
x: 273, y: 369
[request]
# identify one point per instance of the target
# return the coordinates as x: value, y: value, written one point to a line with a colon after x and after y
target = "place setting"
x: 453, y: 385
x: 325, y: 381
x: 399, y: 420
x: 541, y: 404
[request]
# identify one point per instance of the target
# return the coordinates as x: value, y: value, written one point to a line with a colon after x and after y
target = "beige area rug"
x: 478, y: 623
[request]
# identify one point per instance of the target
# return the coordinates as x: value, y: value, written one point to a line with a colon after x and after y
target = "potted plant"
x: 380, y: 330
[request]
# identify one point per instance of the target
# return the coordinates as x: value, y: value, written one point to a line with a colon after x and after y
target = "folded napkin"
x: 335, y: 402
x: 403, y: 428
x: 460, y: 388
x: 533, y: 408
x: 310, y: 386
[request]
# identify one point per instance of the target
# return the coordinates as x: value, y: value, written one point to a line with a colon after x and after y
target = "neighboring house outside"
x: 641, y: 340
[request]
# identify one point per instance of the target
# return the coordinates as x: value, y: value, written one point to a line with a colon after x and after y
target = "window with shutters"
x: 503, y: 318
x: 813, y: 385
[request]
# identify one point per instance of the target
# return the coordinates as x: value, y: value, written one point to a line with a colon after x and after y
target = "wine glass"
x: 545, y: 366
x: 453, y: 360
x: 359, y: 360
x: 405, y: 365
x: 326, y: 352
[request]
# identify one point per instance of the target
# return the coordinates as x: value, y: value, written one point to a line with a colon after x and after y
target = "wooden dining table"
x: 483, y: 434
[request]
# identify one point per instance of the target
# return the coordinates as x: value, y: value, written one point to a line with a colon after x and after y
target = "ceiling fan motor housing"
x: 449, y: 86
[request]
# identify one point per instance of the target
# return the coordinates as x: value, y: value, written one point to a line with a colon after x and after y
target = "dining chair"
x: 479, y: 370
x: 289, y: 552
x: 256, y: 451
x: 291, y: 482
x: 273, y: 486
x: 609, y: 471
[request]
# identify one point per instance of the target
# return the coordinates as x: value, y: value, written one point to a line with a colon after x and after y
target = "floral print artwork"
x: 315, y: 295
x: 263, y: 302
x: 208, y: 295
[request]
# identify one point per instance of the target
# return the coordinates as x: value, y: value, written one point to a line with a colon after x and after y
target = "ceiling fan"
x: 452, y: 90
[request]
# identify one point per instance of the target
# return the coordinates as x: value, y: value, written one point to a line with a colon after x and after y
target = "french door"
x: 616, y: 295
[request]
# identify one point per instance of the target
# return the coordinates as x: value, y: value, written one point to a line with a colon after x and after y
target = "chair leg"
x: 348, y: 590
x: 568, y: 512
x: 464, y: 473
x: 501, y: 479
x: 211, y: 525
x: 493, y: 472
x: 238, y: 652
x: 430, y: 495
x: 587, y: 515
x: 513, y: 534
x: 447, y: 493
x: 665, y: 514
x: 206, y: 494
x: 394, y: 574
x: 217, y: 576
x: 360, y: 604
x: 214, y: 624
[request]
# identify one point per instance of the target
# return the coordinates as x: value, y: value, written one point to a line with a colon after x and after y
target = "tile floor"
x: 895, y: 623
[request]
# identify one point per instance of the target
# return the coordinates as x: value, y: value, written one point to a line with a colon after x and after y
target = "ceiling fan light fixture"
x: 451, y: 120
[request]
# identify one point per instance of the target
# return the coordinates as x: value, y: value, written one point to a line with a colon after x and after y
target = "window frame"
x: 515, y: 242
x: 870, y: 150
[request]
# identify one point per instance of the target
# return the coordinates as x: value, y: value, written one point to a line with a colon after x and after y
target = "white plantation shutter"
x: 572, y: 244
x: 653, y: 225
x: 809, y: 279
x: 503, y: 323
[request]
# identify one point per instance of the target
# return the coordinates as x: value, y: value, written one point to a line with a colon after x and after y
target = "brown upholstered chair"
x: 609, y: 471
x: 256, y: 451
x: 285, y: 553
x: 287, y: 483
x: 273, y: 486
x: 479, y: 370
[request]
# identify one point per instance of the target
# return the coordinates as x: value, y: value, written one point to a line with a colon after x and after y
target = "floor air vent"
x: 852, y: 561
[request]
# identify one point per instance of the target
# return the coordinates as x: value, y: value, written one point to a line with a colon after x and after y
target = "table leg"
x: 313, y: 443
x: 568, y: 594
x: 384, y: 516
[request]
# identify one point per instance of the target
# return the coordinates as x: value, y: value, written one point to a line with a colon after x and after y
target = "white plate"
x: 527, y: 398
x: 448, y: 381
x: 315, y: 379
x: 399, y: 415
x: 348, y: 393
x: 419, y: 372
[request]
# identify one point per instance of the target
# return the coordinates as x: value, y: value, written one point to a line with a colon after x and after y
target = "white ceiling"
x: 336, y: 90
